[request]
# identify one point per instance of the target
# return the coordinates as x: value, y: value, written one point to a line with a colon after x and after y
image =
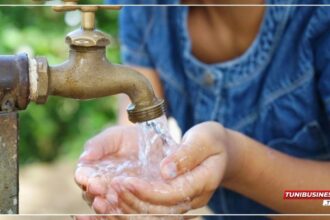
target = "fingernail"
x: 170, y: 170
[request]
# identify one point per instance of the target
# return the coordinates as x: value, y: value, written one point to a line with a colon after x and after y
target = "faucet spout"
x: 87, y: 74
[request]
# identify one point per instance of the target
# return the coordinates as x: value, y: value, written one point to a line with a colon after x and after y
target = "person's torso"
x: 268, y: 93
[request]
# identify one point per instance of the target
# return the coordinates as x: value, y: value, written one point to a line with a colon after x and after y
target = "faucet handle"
x: 88, y: 12
x: 86, y: 36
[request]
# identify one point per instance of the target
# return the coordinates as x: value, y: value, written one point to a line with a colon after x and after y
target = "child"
x: 249, y: 87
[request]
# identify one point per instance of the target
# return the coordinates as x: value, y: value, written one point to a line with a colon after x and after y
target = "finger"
x: 113, y: 218
x: 105, y: 143
x: 195, y: 148
x: 101, y: 205
x: 182, y: 188
x: 86, y: 218
x: 139, y: 206
x: 82, y: 217
x: 201, y: 200
x: 100, y: 145
x: 131, y: 205
x: 98, y: 217
x: 97, y: 186
x: 148, y: 191
x: 82, y: 174
x: 119, y: 217
x: 127, y: 199
x: 126, y: 209
x: 112, y: 196
x: 88, y: 198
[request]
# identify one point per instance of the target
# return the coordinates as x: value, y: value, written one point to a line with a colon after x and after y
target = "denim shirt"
x: 277, y: 92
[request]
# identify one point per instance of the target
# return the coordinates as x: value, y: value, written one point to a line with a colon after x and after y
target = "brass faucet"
x: 88, y: 74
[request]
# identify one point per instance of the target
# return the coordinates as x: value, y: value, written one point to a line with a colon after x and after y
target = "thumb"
x: 198, y: 144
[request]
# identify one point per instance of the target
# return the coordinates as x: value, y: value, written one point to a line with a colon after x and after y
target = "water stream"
x: 154, y: 144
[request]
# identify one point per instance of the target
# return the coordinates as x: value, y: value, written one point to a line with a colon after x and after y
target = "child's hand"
x: 202, y: 153
x: 120, y: 143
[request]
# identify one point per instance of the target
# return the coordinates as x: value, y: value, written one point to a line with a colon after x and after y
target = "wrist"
x: 235, y: 145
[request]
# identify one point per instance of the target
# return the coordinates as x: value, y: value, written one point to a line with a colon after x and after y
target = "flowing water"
x: 154, y: 144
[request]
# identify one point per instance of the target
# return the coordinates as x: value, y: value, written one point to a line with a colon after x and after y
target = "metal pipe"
x: 14, y: 95
x: 14, y: 82
x: 87, y: 74
x: 9, y: 163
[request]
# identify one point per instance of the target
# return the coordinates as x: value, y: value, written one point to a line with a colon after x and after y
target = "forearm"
x: 263, y: 174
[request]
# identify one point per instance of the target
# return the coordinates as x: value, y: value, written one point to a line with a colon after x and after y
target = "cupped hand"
x: 117, y: 145
x: 191, y: 176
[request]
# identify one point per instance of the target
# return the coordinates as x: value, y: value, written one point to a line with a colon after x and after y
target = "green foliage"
x: 61, y: 126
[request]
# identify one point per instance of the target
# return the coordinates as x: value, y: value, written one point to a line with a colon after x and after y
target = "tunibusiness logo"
x: 308, y: 195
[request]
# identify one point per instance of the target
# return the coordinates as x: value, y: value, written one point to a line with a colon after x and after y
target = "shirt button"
x: 208, y: 79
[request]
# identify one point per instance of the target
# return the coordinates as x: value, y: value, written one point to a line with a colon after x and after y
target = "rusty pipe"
x: 87, y: 74
x: 14, y: 82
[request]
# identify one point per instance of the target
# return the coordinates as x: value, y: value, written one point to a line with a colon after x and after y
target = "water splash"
x: 154, y: 144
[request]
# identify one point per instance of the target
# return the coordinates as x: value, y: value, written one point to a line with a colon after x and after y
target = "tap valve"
x: 87, y: 73
x: 87, y: 36
x: 88, y: 12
